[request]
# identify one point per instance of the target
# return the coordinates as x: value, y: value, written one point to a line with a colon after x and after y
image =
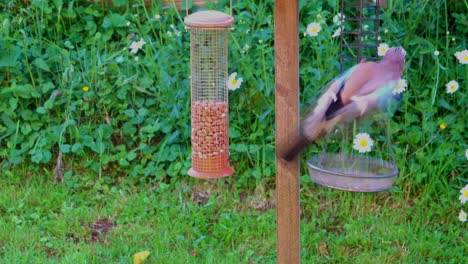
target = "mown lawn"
x: 215, y: 222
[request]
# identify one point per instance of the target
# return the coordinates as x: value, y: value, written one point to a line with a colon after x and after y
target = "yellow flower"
x: 442, y: 126
x: 85, y: 89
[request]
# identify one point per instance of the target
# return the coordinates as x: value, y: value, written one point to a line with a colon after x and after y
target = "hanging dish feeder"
x: 357, y: 155
x: 209, y: 93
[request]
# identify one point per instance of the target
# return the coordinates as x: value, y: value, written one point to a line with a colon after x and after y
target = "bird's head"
x: 396, y: 55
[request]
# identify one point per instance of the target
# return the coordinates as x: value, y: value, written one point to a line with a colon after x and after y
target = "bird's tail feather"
x: 301, y: 143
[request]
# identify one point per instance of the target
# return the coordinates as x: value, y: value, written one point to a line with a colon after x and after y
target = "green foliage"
x: 72, y: 84
x: 69, y: 83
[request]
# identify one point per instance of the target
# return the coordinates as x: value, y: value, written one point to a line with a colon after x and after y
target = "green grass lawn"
x: 71, y: 87
x: 214, y: 222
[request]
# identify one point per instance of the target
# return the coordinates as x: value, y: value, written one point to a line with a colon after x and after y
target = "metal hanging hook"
x: 187, y: 7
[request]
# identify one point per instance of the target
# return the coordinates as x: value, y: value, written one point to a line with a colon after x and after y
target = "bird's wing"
x: 381, y: 97
x: 332, y: 91
x: 312, y: 125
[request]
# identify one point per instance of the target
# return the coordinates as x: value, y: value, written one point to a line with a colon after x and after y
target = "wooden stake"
x: 287, y: 129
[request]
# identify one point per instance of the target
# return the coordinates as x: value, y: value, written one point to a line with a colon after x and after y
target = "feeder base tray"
x: 352, y: 173
x: 210, y: 175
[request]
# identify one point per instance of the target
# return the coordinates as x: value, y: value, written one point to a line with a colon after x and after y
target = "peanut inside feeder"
x: 210, y: 107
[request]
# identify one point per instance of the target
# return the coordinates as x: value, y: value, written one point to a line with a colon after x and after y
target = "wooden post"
x: 287, y: 129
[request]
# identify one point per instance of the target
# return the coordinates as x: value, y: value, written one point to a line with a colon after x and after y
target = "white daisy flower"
x: 233, y: 83
x: 363, y: 142
x: 462, y: 56
x: 436, y: 53
x: 464, y: 194
x: 338, y: 19
x: 462, y: 216
x: 382, y: 49
x: 400, y: 87
x: 313, y: 29
x: 136, y: 45
x: 452, y: 86
x: 337, y: 33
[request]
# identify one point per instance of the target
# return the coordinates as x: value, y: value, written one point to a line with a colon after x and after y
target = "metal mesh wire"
x: 210, y: 140
x: 208, y: 53
x: 360, y: 38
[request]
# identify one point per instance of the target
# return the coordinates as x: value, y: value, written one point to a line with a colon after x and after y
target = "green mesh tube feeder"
x: 209, y: 93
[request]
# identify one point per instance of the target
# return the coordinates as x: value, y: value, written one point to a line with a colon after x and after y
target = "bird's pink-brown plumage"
x: 351, y: 95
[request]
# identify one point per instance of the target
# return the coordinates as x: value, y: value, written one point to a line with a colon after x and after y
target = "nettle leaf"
x: 174, y: 169
x: 99, y: 147
x: 46, y: 87
x: 143, y: 112
x: 65, y: 148
x: 130, y: 113
x: 9, y: 59
x: 234, y: 132
x: 41, y: 64
x: 129, y: 129
x: 414, y: 136
x: 119, y: 2
x: 443, y: 103
x: 239, y: 147
x: 123, y: 162
x: 41, y: 110
x: 114, y: 21
x: 76, y: 147
x: 41, y: 156
x: 49, y: 104
x: 131, y: 155
x: 13, y: 103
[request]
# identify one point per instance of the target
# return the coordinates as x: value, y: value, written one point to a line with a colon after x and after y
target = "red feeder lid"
x: 209, y: 19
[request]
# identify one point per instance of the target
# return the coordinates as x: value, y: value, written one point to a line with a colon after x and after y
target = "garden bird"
x: 364, y: 87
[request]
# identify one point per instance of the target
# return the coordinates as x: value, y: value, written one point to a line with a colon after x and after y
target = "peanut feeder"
x: 209, y: 93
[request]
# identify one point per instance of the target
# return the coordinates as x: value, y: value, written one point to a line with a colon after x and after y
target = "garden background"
x: 77, y: 100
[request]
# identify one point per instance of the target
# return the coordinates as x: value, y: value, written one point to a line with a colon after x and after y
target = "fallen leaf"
x: 323, y: 249
x: 140, y: 257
